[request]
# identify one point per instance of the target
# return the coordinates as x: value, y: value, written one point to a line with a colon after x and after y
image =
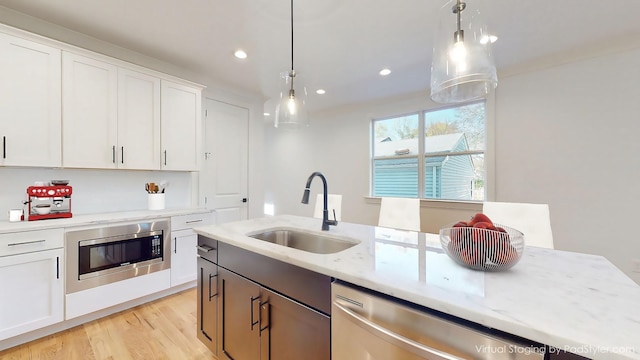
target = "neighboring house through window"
x: 447, y: 162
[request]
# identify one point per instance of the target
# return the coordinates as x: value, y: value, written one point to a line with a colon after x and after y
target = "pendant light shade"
x: 463, y: 68
x: 291, y: 109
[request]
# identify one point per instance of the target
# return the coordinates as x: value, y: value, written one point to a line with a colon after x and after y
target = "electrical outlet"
x: 635, y: 265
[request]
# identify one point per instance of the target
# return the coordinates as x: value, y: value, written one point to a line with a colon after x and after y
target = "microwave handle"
x: 388, y: 335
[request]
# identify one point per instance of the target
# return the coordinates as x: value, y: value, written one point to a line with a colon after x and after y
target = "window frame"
x: 421, y: 156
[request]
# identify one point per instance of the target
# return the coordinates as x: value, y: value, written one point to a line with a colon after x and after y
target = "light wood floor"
x: 163, y: 329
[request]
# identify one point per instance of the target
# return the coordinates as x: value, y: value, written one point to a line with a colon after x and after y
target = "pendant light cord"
x: 291, y: 35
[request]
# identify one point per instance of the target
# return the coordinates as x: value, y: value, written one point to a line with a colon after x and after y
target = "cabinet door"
x: 208, y: 304
x: 32, y: 291
x: 239, y: 317
x: 30, y: 103
x: 293, y: 331
x: 180, y: 123
x: 89, y: 129
x: 138, y: 121
x: 183, y: 256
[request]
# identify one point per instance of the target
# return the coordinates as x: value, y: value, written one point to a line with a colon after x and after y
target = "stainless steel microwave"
x: 99, y: 256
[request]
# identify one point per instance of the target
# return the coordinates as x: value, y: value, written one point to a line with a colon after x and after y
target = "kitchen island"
x: 574, y: 302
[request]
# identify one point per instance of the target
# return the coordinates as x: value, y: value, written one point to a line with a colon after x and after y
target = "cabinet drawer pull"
x: 27, y: 243
x: 4, y: 147
x: 122, y: 155
x: 193, y: 221
x: 205, y: 248
x: 113, y: 154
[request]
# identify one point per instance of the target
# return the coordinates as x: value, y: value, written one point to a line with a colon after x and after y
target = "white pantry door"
x: 224, y: 174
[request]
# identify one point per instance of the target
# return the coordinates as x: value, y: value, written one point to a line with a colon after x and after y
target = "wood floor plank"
x: 162, y: 329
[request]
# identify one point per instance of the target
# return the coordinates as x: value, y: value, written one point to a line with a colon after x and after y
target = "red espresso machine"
x: 49, y: 202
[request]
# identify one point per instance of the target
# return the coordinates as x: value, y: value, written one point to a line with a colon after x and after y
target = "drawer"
x: 182, y: 222
x: 30, y: 241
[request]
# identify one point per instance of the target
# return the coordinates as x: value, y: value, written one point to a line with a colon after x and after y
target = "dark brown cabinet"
x: 295, y: 331
x: 252, y: 307
x: 240, y: 317
x: 257, y: 323
x: 208, y: 304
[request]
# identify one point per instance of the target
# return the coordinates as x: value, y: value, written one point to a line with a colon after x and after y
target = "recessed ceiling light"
x: 488, y: 38
x: 320, y: 92
x: 240, y: 54
x: 385, y: 72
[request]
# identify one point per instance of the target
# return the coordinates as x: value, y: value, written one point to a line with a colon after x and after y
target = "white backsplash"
x: 96, y: 191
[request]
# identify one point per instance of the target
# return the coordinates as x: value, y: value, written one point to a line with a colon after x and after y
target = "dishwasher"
x: 371, y: 326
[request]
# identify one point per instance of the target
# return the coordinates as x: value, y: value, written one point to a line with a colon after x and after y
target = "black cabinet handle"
x: 122, y: 154
x: 57, y: 267
x: 211, y: 296
x: 4, y: 147
x: 255, y: 322
x: 165, y: 158
x: 175, y: 244
x: 113, y: 154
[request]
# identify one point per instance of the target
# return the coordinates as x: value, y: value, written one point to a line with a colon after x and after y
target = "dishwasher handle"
x: 387, y: 335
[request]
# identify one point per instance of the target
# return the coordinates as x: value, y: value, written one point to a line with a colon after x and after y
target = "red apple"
x: 479, y: 217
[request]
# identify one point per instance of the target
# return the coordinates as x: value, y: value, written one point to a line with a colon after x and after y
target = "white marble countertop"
x: 93, y: 219
x: 575, y: 302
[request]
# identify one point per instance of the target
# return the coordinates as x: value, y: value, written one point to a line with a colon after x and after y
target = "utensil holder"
x: 156, y: 201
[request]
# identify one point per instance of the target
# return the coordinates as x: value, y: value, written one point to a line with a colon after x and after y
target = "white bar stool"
x: 400, y: 213
x: 334, y: 203
x: 533, y: 220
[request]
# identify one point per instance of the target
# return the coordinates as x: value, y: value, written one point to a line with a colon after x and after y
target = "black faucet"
x: 325, y: 212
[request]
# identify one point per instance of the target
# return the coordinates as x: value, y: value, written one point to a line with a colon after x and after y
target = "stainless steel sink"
x: 313, y: 243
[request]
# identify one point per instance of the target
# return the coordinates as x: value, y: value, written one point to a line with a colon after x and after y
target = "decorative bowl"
x: 483, y: 249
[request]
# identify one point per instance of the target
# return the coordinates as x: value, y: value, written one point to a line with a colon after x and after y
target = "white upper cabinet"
x: 30, y: 103
x: 62, y: 106
x: 111, y: 116
x: 138, y: 121
x: 181, y: 124
x: 90, y: 110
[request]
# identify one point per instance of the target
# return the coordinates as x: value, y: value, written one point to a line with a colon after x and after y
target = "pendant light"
x: 290, y: 111
x: 462, y: 68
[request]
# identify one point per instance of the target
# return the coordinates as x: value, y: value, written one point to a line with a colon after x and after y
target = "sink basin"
x: 312, y: 243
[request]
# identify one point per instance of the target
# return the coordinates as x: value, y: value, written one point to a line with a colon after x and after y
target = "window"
x: 446, y: 163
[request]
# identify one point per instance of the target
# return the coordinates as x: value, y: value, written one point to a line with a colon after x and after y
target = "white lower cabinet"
x: 32, y: 293
x: 184, y: 240
x: 183, y: 256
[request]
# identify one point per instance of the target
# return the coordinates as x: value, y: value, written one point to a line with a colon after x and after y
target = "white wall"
x: 566, y: 135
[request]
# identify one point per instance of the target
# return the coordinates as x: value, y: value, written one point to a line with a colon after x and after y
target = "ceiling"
x: 339, y: 45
